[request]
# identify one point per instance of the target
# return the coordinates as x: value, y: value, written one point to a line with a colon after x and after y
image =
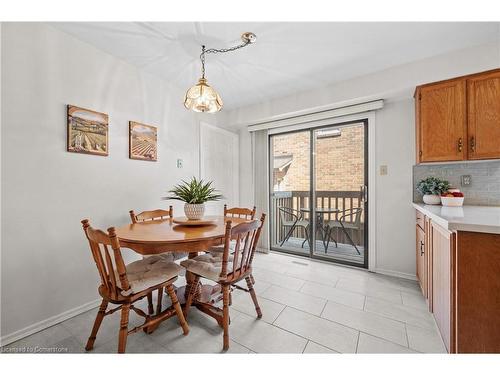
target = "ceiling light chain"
x: 202, y: 97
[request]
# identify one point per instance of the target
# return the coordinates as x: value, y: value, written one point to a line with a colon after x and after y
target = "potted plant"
x: 194, y: 193
x: 432, y: 188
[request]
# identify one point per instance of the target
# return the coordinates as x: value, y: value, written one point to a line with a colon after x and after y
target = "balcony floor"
x: 344, y: 252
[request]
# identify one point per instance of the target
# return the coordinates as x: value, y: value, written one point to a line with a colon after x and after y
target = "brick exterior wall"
x: 339, y: 160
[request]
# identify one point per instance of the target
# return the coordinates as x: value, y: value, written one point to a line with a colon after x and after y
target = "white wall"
x: 47, y: 268
x: 395, y: 139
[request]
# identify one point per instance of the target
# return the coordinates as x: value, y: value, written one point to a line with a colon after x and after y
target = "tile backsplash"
x: 485, y: 175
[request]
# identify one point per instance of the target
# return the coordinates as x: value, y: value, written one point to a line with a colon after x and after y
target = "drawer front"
x: 420, y: 220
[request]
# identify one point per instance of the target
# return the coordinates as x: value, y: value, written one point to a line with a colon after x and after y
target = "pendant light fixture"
x: 202, y: 97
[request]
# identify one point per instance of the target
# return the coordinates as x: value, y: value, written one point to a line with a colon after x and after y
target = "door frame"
x: 370, y: 234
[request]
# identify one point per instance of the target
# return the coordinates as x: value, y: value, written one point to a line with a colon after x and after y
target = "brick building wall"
x: 339, y: 160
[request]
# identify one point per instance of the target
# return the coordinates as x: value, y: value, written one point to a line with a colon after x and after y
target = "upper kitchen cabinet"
x: 483, y: 96
x: 459, y: 119
x: 441, y: 121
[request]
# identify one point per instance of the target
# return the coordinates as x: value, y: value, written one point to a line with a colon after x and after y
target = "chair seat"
x: 207, y: 265
x: 169, y: 256
x: 300, y: 223
x: 336, y: 224
x: 220, y: 248
x: 150, y: 271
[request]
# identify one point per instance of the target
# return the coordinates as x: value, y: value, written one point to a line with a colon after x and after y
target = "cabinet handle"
x: 460, y: 144
x: 473, y: 144
x: 421, y: 248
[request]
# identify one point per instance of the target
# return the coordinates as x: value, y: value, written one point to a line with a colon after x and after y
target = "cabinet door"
x: 441, y: 116
x: 442, y: 304
x: 421, y: 264
x: 483, y: 94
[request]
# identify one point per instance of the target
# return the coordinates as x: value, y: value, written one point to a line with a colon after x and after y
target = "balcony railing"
x: 340, y: 200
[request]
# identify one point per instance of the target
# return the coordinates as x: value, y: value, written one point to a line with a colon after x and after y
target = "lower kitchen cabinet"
x: 442, y: 242
x: 459, y: 273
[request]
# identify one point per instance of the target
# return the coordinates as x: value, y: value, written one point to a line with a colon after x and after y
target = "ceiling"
x: 287, y: 57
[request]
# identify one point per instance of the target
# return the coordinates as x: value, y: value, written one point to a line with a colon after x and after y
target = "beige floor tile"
x: 371, y: 344
x: 46, y: 338
x: 424, y: 340
x: 274, y: 278
x: 344, y: 297
x: 242, y: 302
x: 414, y: 300
x: 371, y: 289
x: 262, y: 337
x: 313, y: 348
x: 367, y: 322
x: 300, y: 301
x: 327, y: 333
x: 402, y: 313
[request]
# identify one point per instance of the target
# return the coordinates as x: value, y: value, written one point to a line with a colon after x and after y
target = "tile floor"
x: 308, y: 307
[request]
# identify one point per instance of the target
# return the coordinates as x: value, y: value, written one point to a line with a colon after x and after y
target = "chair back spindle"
x: 246, y: 236
x: 243, y: 213
x: 151, y: 215
x: 110, y: 264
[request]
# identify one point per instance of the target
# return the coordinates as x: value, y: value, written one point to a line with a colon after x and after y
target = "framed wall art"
x: 142, y: 141
x: 87, y: 131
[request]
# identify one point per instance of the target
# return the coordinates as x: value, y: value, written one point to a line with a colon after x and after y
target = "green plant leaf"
x: 194, y: 192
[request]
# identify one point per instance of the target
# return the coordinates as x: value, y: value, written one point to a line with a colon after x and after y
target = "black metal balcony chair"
x: 292, y: 218
x: 353, y: 224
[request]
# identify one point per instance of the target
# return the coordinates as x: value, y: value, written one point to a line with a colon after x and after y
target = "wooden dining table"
x: 161, y: 236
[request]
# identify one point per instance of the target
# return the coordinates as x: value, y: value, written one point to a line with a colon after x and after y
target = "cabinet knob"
x: 460, y: 144
x: 472, y: 144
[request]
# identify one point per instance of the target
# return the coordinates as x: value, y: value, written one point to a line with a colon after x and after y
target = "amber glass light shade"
x: 202, y: 98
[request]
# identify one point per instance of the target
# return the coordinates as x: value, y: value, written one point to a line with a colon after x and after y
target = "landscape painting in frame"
x: 87, y: 131
x: 142, y: 141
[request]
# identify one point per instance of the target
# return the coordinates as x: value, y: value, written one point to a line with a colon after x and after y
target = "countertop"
x: 485, y: 219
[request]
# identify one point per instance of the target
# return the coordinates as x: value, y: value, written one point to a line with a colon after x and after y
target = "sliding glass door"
x: 290, y: 191
x: 328, y: 166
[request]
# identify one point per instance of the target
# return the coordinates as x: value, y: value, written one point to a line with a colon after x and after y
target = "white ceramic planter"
x: 452, y: 201
x: 194, y: 211
x: 432, y: 199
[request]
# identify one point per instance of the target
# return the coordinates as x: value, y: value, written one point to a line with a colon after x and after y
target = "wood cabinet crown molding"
x: 458, y: 119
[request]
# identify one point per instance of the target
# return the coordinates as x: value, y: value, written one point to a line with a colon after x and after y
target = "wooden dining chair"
x: 227, y: 269
x: 244, y: 213
x: 123, y: 285
x: 239, y: 212
x: 151, y: 215
x: 157, y: 215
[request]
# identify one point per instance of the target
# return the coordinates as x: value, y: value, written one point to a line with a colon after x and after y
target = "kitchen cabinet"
x: 442, y: 297
x: 421, y: 256
x: 484, y: 116
x: 442, y: 126
x: 458, y: 119
x: 458, y: 273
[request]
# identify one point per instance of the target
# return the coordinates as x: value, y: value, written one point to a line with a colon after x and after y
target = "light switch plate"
x: 465, y: 180
x: 383, y: 170
x: 180, y: 163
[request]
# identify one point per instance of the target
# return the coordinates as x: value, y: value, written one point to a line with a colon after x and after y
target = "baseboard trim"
x: 401, y: 275
x: 40, y: 326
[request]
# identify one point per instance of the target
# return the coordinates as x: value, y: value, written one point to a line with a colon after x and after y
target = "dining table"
x: 155, y: 237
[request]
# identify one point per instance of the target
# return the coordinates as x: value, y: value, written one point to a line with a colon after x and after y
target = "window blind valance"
x: 314, y: 118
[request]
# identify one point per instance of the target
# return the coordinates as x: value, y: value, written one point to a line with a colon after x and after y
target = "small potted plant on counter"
x: 195, y: 194
x: 431, y: 188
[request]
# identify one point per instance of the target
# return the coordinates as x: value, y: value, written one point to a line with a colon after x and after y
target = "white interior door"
x: 219, y: 163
